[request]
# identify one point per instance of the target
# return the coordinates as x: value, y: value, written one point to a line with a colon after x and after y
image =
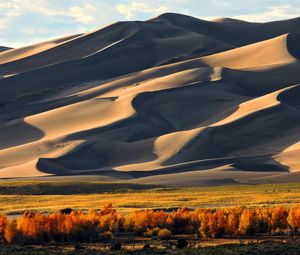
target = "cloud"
x: 25, y: 22
x: 28, y: 21
x: 273, y: 13
x: 84, y: 15
x: 131, y: 9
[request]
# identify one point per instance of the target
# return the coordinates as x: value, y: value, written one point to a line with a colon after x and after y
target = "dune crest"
x: 172, y: 100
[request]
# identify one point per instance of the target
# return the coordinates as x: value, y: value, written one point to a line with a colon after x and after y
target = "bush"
x: 181, y: 243
x: 146, y: 246
x: 152, y: 232
x: 116, y: 247
x: 164, y: 234
x: 78, y: 247
x: 107, y: 235
x: 66, y: 210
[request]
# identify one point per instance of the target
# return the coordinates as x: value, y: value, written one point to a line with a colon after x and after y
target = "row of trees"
x: 75, y: 226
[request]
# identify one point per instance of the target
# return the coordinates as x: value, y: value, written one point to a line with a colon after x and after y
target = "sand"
x: 174, y: 101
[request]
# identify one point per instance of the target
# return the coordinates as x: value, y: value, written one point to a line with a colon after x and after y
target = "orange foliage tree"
x: 77, y: 226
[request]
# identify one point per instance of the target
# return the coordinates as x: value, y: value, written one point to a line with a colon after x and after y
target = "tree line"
x: 104, y: 224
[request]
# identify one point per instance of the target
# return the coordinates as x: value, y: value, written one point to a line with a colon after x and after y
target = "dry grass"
x: 126, y: 200
x: 264, y: 248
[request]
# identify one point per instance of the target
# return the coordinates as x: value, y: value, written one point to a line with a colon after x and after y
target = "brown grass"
x: 125, y: 200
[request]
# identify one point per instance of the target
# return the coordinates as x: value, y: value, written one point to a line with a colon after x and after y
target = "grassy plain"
x: 17, y: 197
x: 266, y: 248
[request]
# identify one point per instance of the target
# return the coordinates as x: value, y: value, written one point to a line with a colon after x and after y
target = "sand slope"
x: 173, y: 100
x: 3, y: 48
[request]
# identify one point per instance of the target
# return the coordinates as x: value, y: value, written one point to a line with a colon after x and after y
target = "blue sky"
x: 24, y: 22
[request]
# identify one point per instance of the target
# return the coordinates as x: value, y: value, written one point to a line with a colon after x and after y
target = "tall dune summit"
x: 174, y: 100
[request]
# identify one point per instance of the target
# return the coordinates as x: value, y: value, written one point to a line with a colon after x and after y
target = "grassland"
x: 17, y: 197
x: 266, y: 248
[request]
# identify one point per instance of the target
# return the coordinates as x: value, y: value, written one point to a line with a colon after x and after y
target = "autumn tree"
x: 246, y: 223
x: 204, y: 228
x: 3, y: 224
x: 11, y: 232
x: 232, y: 225
x: 279, y: 218
x: 294, y: 219
x: 78, y: 226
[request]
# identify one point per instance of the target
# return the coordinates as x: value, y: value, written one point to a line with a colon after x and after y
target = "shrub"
x: 164, y: 234
x: 107, y: 235
x: 152, y: 232
x: 66, y: 210
x: 116, y: 247
x: 146, y: 246
x: 181, y: 243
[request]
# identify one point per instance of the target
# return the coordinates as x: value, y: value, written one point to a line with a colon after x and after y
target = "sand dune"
x: 173, y: 100
x: 3, y: 48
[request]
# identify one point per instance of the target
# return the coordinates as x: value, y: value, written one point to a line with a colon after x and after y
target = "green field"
x: 17, y: 197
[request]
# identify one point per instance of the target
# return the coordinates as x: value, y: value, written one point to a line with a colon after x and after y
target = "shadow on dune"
x: 250, y: 140
x: 132, y: 140
x: 18, y: 132
x: 55, y: 168
x: 293, y: 44
x: 121, y: 144
x: 71, y: 48
x: 260, y: 81
x: 232, y: 31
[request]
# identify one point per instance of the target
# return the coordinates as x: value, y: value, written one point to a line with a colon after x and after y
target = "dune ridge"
x: 173, y: 100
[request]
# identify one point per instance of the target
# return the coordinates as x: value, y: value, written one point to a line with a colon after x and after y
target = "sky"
x: 25, y: 22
